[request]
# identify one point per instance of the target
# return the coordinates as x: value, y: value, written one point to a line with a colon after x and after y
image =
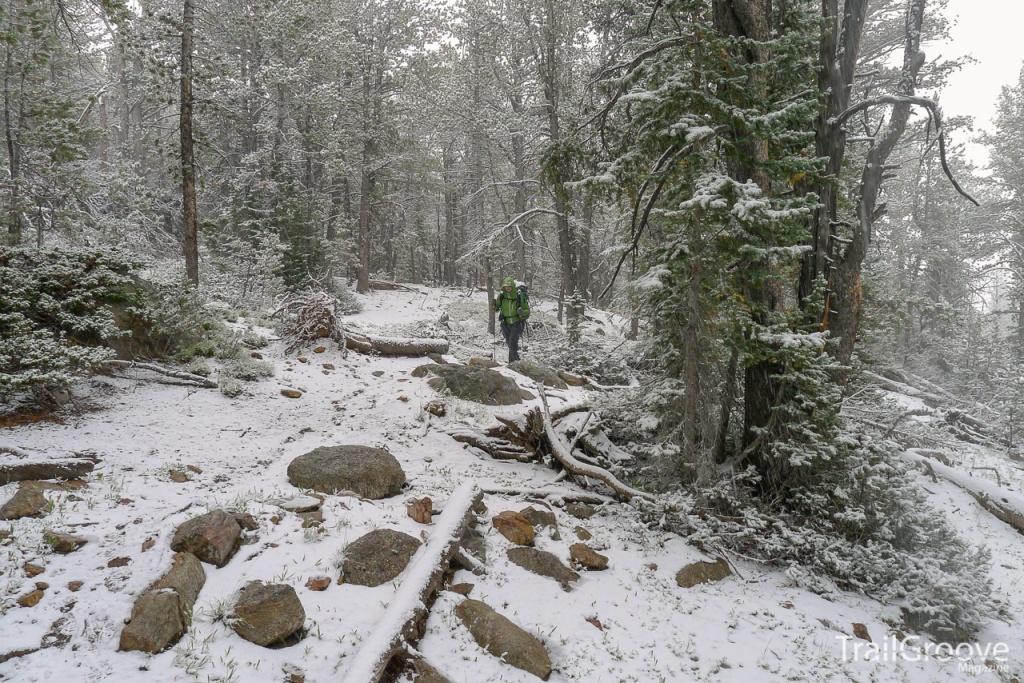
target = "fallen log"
x: 497, y: 448
x: 180, y: 375
x: 405, y: 618
x: 386, y: 285
x: 30, y: 467
x: 394, y: 346
x: 552, y: 495
x: 560, y: 451
x: 1005, y: 506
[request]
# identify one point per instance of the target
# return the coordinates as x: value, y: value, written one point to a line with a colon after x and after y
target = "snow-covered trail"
x: 757, y: 627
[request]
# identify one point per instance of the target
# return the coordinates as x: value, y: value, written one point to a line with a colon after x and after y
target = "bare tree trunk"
x: 190, y: 226
x: 367, y: 181
x: 12, y: 133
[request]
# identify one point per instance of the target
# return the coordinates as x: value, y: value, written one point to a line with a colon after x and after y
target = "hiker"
x: 513, y: 308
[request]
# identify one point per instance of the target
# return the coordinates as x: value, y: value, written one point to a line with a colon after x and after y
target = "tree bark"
x: 190, y: 226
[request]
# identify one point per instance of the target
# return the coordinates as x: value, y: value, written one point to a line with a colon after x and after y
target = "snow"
x: 757, y: 626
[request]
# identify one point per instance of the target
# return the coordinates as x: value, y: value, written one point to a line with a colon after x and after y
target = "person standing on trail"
x: 513, y: 308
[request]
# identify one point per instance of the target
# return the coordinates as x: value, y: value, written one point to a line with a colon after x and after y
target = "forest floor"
x: 631, y: 622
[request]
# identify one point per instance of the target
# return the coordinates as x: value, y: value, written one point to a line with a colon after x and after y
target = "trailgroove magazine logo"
x: 971, y: 657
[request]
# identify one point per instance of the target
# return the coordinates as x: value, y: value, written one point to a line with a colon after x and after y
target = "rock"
x: 179, y: 476
x: 256, y: 354
x: 583, y: 534
x: 543, y: 563
x: 514, y: 526
x: 293, y: 674
x: 291, y: 393
x: 73, y: 586
x: 479, y: 362
x: 213, y: 537
x: 377, y: 557
x: 437, y: 358
x: 469, y: 383
x: 702, y: 572
x: 267, y: 614
x: 539, y: 373
x: 42, y: 585
x: 463, y: 589
x: 861, y: 631
x: 583, y: 556
x: 63, y: 543
x: 436, y: 408
x: 185, y: 577
x: 31, y: 599
x: 595, y: 622
x: 148, y: 543
x: 581, y: 510
x: 318, y: 583
x: 328, y: 366
x: 320, y: 349
x: 542, y: 518
x: 368, y: 472
x: 377, y: 373
x: 573, y: 380
x: 119, y: 562
x: 69, y: 468
x: 653, y: 566
x: 504, y: 639
x: 312, y: 518
x: 425, y: 673
x: 420, y: 509
x: 33, y: 569
x: 156, y: 623
x: 27, y: 501
x: 246, y: 521
x: 474, y: 543
x: 302, y: 359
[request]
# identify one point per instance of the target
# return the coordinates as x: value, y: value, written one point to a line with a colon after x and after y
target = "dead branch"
x: 180, y: 375
x: 561, y: 453
x: 395, y: 346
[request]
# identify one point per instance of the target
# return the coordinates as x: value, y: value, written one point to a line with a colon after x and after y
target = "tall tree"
x: 190, y: 222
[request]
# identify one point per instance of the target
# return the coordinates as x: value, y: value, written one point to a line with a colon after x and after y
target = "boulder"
x: 584, y: 557
x: 27, y: 501
x: 504, y: 639
x: 63, y: 543
x: 583, y: 534
x: 539, y: 373
x: 162, y: 614
x: 213, y: 537
x: 31, y: 599
x: 291, y: 393
x: 377, y: 557
x: 420, y: 509
x: 157, y: 622
x: 68, y: 468
x: 543, y: 563
x: 581, y: 510
x: 267, y: 614
x: 541, y: 519
x: 514, y: 526
x: 480, y: 362
x: 368, y: 472
x: 470, y: 383
x: 702, y: 572
x: 297, y: 503
x: 318, y: 583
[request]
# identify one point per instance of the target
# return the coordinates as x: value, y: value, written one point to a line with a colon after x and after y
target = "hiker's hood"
x: 508, y: 282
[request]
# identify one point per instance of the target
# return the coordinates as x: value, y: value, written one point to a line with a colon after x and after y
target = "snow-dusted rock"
x: 702, y: 572
x: 585, y: 557
x: 368, y: 472
x: 213, y: 537
x: 542, y: 518
x: 63, y: 543
x: 470, y: 383
x: 377, y: 557
x: 27, y: 501
x: 539, y: 373
x: 514, y: 526
x: 504, y: 639
x: 160, y: 616
x: 267, y: 614
x: 543, y: 563
x: 297, y: 503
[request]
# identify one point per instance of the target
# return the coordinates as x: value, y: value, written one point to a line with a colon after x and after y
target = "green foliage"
x: 247, y: 369
x: 56, y: 313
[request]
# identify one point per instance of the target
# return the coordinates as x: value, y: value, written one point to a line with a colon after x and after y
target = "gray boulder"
x: 213, y: 537
x: 368, y: 472
x: 161, y: 615
x: 27, y: 501
x: 470, y: 383
x: 504, y: 639
x: 540, y: 373
x: 543, y: 563
x: 377, y: 557
x: 267, y: 614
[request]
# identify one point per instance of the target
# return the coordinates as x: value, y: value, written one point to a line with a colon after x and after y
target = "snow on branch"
x: 486, y: 242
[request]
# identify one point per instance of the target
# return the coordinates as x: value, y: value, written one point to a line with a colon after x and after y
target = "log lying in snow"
x: 29, y: 467
x: 385, y: 285
x: 405, y: 618
x: 180, y: 375
x: 562, y: 453
x: 1006, y: 506
x: 552, y: 495
x: 394, y: 346
x: 496, y: 447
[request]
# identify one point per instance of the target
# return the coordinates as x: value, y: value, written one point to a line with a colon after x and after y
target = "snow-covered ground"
x: 629, y: 623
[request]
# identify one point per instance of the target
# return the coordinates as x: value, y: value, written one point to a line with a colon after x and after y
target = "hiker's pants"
x: 511, y: 333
